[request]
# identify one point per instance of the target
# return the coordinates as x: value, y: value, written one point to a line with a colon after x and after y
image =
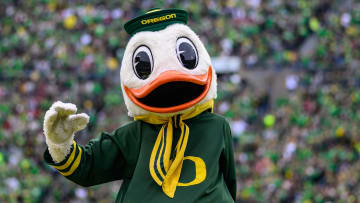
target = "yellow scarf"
x: 164, y: 171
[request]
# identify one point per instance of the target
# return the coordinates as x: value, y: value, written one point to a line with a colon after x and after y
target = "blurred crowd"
x: 302, y: 147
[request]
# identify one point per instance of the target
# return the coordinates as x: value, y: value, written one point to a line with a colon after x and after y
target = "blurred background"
x: 289, y: 82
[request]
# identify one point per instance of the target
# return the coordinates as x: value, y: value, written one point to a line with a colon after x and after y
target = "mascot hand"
x: 60, y: 125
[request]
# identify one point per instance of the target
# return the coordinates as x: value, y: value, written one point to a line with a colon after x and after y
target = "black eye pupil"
x: 187, y: 55
x: 142, y: 65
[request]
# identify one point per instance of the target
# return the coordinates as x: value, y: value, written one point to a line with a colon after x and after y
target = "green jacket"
x: 125, y: 154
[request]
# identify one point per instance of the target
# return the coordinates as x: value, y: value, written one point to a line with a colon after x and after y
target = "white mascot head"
x: 166, y: 69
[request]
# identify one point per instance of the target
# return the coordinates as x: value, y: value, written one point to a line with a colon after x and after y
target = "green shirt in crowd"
x: 125, y: 154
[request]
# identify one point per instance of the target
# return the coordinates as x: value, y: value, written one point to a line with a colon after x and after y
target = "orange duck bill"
x: 171, y: 92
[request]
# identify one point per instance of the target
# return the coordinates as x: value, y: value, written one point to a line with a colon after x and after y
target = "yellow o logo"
x: 200, y: 171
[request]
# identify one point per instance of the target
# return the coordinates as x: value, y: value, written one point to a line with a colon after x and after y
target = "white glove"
x: 60, y: 125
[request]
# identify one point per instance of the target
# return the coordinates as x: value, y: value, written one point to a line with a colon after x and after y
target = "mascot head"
x: 166, y: 69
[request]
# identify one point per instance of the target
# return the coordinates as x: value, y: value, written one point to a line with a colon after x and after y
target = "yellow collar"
x: 164, y: 171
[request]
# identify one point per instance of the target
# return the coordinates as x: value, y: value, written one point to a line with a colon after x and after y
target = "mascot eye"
x: 142, y: 62
x: 186, y: 53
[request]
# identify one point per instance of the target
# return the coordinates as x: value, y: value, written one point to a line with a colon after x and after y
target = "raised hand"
x: 60, y: 124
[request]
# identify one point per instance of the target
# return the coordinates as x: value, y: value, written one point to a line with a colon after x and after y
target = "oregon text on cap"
x: 155, y: 20
x: 158, y: 19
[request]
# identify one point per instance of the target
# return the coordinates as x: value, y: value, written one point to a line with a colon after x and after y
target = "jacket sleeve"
x: 107, y: 158
x: 227, y: 163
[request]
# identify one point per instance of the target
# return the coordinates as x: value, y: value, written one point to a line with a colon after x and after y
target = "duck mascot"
x: 176, y: 149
